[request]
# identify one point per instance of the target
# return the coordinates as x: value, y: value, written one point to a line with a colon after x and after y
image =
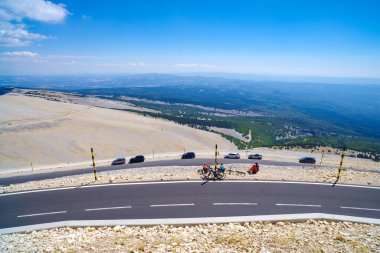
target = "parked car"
x: 188, y: 155
x: 137, y: 159
x: 232, y: 156
x: 307, y: 160
x: 118, y: 161
x: 255, y: 156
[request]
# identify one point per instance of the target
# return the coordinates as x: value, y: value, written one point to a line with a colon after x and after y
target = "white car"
x: 232, y: 156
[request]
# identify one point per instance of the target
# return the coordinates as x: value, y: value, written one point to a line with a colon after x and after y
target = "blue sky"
x: 307, y: 38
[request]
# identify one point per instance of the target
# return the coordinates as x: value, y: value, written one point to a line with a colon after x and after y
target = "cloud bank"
x: 20, y: 53
x: 13, y: 30
x: 192, y: 65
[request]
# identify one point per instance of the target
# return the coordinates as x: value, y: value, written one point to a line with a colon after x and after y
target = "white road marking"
x: 278, y: 204
x: 38, y: 214
x: 230, y: 181
x: 107, y: 208
x: 360, y: 208
x: 190, y: 204
x: 41, y: 190
x: 232, y: 204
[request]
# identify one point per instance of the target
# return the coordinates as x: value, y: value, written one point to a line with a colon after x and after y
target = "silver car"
x: 118, y: 161
x: 232, y: 156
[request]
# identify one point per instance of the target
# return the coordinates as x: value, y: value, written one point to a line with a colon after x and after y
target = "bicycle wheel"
x: 220, y: 175
x: 208, y: 175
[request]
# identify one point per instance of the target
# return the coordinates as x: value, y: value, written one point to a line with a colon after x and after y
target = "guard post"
x: 323, y: 152
x: 341, y: 163
x: 216, y: 156
x: 93, y: 163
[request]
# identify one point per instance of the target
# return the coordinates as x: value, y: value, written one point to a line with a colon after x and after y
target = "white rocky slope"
x: 310, y: 236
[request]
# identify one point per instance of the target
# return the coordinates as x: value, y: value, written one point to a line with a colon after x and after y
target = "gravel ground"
x: 317, y: 174
x: 309, y: 236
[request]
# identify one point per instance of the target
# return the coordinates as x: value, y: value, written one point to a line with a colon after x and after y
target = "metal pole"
x: 31, y: 165
x: 216, y: 155
x: 341, y: 162
x: 93, y: 163
x: 323, y: 152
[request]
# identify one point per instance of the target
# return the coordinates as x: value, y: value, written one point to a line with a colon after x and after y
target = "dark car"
x: 118, y: 161
x: 307, y: 160
x: 137, y: 159
x: 188, y: 155
x: 255, y: 156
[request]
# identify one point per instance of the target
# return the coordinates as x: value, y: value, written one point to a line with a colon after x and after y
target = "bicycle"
x: 236, y: 172
x: 213, y: 174
x: 230, y: 171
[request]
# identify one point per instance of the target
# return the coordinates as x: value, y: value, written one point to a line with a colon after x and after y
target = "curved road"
x: 186, y: 199
x: 177, y: 162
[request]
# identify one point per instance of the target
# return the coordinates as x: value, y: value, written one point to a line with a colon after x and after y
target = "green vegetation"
x: 263, y: 133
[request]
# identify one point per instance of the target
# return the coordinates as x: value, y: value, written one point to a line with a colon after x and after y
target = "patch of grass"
x: 359, y: 247
x: 283, y: 241
x: 340, y: 238
x: 139, y: 245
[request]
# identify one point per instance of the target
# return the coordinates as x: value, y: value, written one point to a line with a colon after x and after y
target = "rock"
x: 117, y: 229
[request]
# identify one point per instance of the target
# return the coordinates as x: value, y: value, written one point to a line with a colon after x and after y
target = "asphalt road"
x: 186, y: 200
x: 178, y: 162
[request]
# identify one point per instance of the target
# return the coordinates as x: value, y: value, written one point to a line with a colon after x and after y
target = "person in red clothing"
x: 206, y: 167
x: 254, y: 169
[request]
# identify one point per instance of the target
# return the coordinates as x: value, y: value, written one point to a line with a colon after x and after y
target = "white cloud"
x: 13, y: 32
x: 85, y: 17
x: 134, y: 64
x: 4, y: 15
x: 192, y: 65
x: 20, y: 54
x: 17, y: 35
x: 83, y: 57
x: 39, y: 10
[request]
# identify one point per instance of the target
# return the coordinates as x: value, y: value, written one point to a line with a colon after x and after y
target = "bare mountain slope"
x: 49, y: 132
